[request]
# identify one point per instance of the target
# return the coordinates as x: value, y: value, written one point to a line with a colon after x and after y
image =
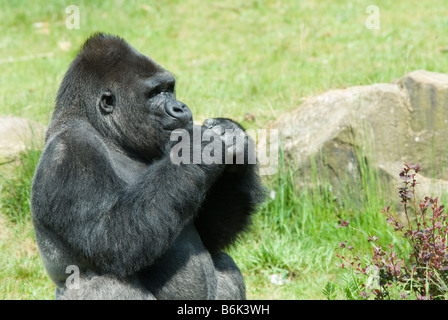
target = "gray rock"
x: 16, y: 134
x: 381, y: 125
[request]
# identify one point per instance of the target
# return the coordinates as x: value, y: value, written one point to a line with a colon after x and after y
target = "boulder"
x: 16, y: 134
x: 379, y: 126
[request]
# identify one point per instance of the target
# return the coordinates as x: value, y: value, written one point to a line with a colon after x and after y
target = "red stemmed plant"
x: 425, y: 274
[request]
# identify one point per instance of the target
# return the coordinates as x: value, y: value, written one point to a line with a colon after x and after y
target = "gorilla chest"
x: 185, y: 271
x: 125, y: 168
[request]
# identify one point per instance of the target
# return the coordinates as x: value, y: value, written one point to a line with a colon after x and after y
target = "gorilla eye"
x: 161, y: 87
x: 154, y: 92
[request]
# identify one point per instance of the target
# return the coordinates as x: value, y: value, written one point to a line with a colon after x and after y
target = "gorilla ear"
x: 107, y: 102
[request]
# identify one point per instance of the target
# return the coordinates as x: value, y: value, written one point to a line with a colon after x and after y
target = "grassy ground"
x: 230, y: 58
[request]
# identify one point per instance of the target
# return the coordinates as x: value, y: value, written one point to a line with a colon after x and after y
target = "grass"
x: 22, y: 275
x: 295, y: 236
x: 230, y: 58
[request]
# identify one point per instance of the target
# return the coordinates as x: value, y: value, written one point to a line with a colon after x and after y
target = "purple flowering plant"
x: 423, y: 272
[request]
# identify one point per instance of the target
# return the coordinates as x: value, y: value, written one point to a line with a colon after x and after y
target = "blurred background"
x: 248, y: 60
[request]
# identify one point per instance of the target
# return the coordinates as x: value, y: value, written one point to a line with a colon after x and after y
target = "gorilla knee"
x: 230, y: 280
x: 104, y: 288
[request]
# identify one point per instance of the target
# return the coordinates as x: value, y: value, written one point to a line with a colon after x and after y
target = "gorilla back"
x: 107, y: 199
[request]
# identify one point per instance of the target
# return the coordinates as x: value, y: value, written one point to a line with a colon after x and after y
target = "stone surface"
x: 383, y: 125
x: 16, y: 134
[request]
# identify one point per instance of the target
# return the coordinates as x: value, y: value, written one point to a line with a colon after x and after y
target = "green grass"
x: 230, y: 58
x: 22, y: 275
x: 295, y: 234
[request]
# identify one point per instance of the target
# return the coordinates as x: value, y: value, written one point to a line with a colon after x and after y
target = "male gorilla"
x: 107, y: 198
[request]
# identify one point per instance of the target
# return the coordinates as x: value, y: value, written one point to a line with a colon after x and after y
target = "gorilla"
x: 108, y: 199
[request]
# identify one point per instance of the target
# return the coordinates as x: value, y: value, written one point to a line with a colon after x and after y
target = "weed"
x: 424, y: 271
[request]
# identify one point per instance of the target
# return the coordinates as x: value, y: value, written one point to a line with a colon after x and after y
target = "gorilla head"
x: 127, y: 97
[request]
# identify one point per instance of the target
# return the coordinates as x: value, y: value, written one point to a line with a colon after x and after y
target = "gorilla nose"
x: 179, y: 111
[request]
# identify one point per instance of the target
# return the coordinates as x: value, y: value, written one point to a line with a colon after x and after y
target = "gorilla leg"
x: 230, y: 280
x: 105, y: 288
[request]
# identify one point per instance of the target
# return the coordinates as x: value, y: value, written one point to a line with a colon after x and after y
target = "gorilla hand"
x: 190, y: 150
x: 237, y: 144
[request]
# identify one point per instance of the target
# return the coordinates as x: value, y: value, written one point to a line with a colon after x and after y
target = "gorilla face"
x: 159, y: 96
x: 136, y: 105
x: 151, y: 104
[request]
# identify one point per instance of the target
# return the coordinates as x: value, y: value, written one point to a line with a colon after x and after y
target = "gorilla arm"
x: 228, y: 206
x: 230, y: 201
x: 113, y: 227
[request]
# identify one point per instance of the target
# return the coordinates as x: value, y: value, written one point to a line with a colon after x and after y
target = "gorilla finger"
x: 209, y: 123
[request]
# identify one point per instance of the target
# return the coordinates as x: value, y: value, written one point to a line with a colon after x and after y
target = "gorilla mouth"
x: 170, y: 123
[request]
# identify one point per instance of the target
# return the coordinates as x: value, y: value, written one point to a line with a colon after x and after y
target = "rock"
x: 382, y: 126
x: 428, y: 98
x: 16, y: 134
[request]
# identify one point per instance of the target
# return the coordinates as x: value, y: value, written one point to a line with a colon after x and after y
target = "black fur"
x: 107, y: 198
